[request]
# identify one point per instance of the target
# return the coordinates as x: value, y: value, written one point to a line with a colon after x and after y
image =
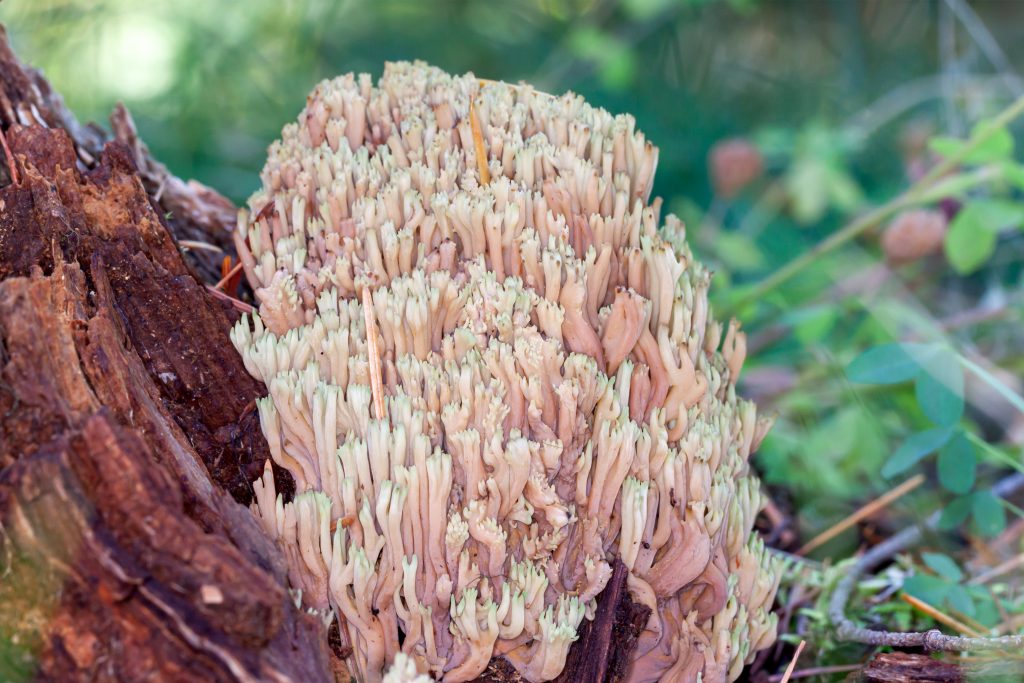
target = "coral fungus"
x: 553, y: 392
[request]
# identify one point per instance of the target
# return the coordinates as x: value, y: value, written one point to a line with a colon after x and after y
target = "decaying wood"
x: 192, y: 210
x: 606, y: 643
x: 602, y: 652
x: 904, y: 667
x: 125, y: 419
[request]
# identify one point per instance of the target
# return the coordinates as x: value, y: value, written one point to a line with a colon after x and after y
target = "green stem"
x: 1011, y: 507
x: 859, y: 225
x: 988, y: 378
x: 996, y: 453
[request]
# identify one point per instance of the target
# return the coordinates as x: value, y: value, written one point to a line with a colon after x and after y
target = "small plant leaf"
x: 943, y: 565
x: 955, y: 513
x: 885, y: 364
x: 960, y: 600
x: 998, y: 146
x: 940, y: 388
x: 931, y: 589
x: 968, y: 244
x: 1014, y: 173
x: 996, y: 215
x: 988, y: 513
x: 914, y: 448
x: 957, y: 464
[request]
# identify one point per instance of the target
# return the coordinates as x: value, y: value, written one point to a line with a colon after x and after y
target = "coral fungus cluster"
x: 491, y: 374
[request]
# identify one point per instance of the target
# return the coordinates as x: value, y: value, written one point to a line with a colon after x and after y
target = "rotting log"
x: 127, y: 438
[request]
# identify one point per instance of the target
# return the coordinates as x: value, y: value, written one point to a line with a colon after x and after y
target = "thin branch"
x: 929, y: 640
x: 998, y: 570
x: 863, y: 512
x: 1015, y: 399
x: 239, y: 305
x: 202, y: 246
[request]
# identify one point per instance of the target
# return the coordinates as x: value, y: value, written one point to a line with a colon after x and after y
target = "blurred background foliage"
x: 778, y: 123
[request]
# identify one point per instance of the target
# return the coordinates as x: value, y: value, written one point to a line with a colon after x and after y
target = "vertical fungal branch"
x: 545, y: 390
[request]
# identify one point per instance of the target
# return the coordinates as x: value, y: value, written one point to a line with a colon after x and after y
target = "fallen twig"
x: 862, y: 513
x: 239, y: 305
x: 929, y: 640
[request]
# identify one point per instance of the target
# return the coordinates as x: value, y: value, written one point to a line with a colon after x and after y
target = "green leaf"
x: 844, y: 192
x: 885, y: 364
x: 811, y: 325
x: 960, y: 600
x: 998, y: 146
x: 997, y: 214
x: 968, y: 244
x: 972, y: 235
x: 931, y: 589
x: 945, y: 145
x: 808, y: 190
x: 914, y: 448
x: 940, y: 387
x: 989, y: 516
x: 943, y: 565
x: 739, y: 253
x: 954, y: 514
x: 1014, y: 174
x: 957, y: 464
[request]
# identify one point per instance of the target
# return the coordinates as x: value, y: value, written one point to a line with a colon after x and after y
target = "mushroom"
x: 490, y: 374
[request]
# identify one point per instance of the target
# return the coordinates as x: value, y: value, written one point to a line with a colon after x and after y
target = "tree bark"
x: 127, y: 436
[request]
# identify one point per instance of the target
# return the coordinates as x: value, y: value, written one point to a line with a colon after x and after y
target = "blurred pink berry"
x: 734, y: 164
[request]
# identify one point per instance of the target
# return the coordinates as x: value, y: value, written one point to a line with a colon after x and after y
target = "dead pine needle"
x: 939, y: 616
x: 864, y: 512
x: 373, y: 351
x: 478, y: 146
x: 792, y: 663
x: 228, y: 275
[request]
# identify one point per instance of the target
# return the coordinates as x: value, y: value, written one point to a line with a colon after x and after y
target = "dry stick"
x: 862, y: 513
x: 478, y: 146
x: 202, y: 246
x: 845, y: 629
x: 879, y: 214
x: 373, y: 351
x: 792, y: 663
x: 939, y: 616
x: 230, y: 274
x: 239, y: 305
x: 998, y: 570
